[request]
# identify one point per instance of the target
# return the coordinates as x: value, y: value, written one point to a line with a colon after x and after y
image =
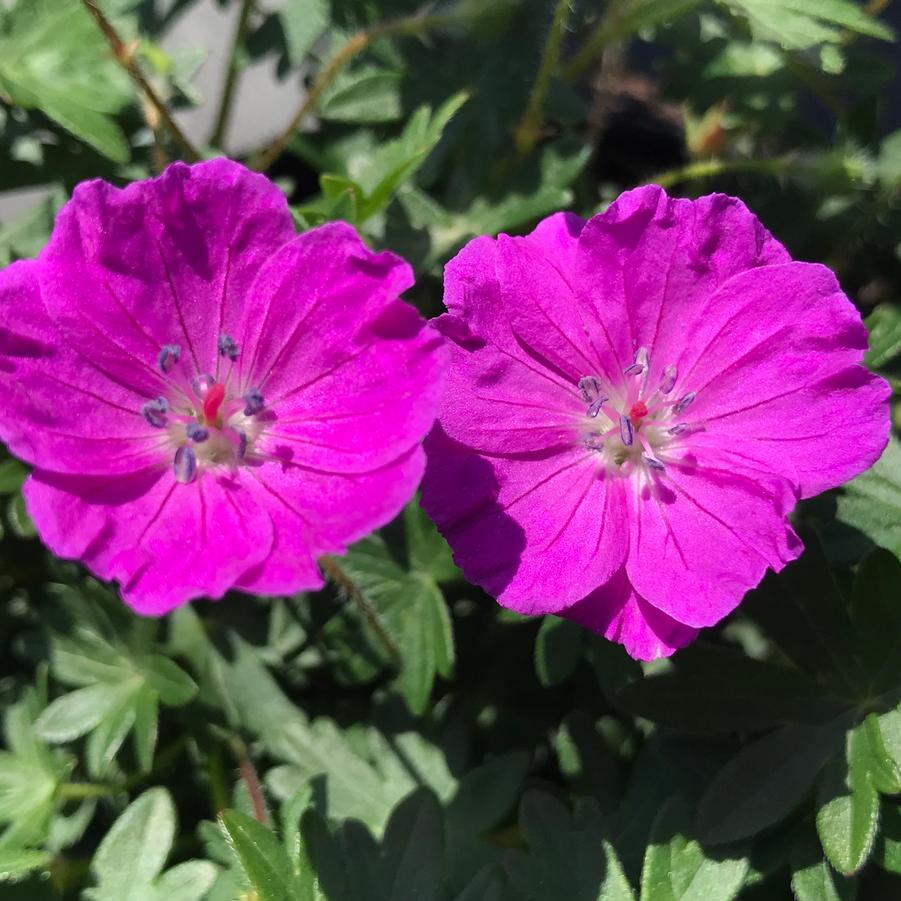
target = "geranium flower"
x: 635, y: 405
x: 209, y: 401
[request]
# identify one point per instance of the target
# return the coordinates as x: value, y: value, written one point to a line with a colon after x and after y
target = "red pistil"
x: 638, y: 412
x: 213, y: 401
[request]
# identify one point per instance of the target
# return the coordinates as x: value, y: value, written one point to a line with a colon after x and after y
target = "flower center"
x: 206, y: 422
x: 635, y: 426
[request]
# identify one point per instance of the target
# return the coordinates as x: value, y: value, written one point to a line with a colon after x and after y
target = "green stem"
x: 711, y: 168
x: 621, y: 20
x: 414, y: 24
x: 81, y: 791
x: 231, y: 75
x: 529, y: 129
x: 125, y: 57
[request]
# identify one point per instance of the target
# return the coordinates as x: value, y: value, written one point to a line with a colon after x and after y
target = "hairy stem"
x: 231, y: 75
x: 529, y: 129
x: 347, y: 586
x: 248, y: 773
x: 124, y: 56
x: 414, y: 24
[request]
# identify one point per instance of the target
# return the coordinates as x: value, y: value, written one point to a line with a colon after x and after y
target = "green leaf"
x: 888, y: 846
x: 53, y: 57
x: 365, y: 94
x: 105, y: 741
x: 486, y: 794
x: 134, y: 850
x: 876, y: 613
x: 12, y: 475
x: 303, y: 23
x: 798, y: 25
x: 813, y: 879
x: 174, y: 686
x: 872, y: 501
x: 766, y: 781
x: 676, y: 867
x: 76, y: 713
x: 19, y: 520
x: 413, y: 612
x: 397, y: 161
x: 804, y: 613
x: 146, y: 727
x: 413, y: 849
x: 713, y: 689
x: 17, y: 863
x: 558, y: 647
x: 587, y: 761
x: 427, y: 550
x: 563, y: 862
x: 188, y: 881
x: 848, y: 803
x: 262, y: 857
x: 884, y: 323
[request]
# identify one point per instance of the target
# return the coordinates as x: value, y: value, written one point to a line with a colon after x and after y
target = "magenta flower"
x: 635, y: 404
x: 209, y: 401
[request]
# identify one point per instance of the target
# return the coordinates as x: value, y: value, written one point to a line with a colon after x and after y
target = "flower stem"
x: 529, y: 129
x: 125, y: 57
x: 710, y: 168
x: 621, y: 19
x: 231, y: 75
x: 81, y: 791
x: 249, y: 777
x: 346, y: 584
x: 358, y: 42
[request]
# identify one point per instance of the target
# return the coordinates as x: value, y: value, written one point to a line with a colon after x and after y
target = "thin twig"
x: 231, y: 76
x: 248, y: 773
x: 529, y: 129
x: 355, y: 44
x: 125, y: 57
x: 346, y: 584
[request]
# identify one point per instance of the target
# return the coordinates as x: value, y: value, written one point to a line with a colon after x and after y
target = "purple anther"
x: 196, y: 432
x: 594, y: 441
x: 154, y: 411
x: 625, y: 430
x: 680, y: 428
x: 170, y: 354
x: 227, y: 347
x: 683, y: 402
x: 590, y: 386
x: 653, y: 462
x: 202, y: 383
x: 241, y: 437
x: 668, y: 380
x: 640, y: 364
x: 185, y: 465
x: 595, y: 406
x: 254, y: 400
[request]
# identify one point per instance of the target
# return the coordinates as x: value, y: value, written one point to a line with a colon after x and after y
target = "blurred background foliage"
x: 398, y: 737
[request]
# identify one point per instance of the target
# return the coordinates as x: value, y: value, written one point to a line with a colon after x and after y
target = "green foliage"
x: 397, y: 736
x: 52, y: 58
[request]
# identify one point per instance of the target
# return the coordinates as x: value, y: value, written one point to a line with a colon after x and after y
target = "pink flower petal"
x: 163, y: 261
x: 775, y: 365
x: 702, y: 537
x: 538, y: 532
x: 351, y: 374
x: 615, y: 611
x: 164, y: 542
x: 56, y: 409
